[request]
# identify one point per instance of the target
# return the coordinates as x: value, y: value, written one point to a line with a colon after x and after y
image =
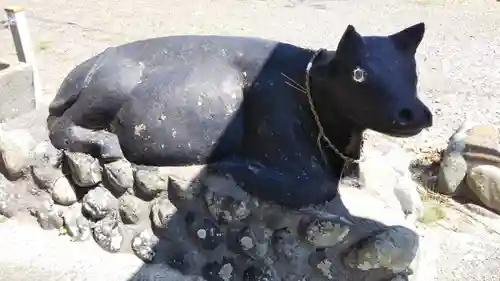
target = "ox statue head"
x: 375, y: 82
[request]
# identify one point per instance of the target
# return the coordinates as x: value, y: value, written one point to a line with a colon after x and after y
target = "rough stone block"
x: 17, y: 95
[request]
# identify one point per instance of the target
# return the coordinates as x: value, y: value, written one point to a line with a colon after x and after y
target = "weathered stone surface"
x: 9, y: 202
x: 207, y: 233
x: 393, y: 180
x: 150, y: 182
x: 286, y: 246
x: 16, y: 91
x: 473, y: 145
x: 63, y: 192
x: 120, y: 175
x: 400, y: 277
x: 394, y: 249
x: 484, y: 181
x: 16, y: 147
x: 226, y: 201
x: 49, y: 216
x: 75, y: 224
x: 296, y: 277
x: 185, y: 260
x: 254, y: 241
x: 260, y: 274
x: 219, y: 271
x: 162, y: 211
x: 270, y: 241
x: 319, y: 262
x: 132, y: 209
x: 85, y: 170
x: 324, y: 230
x: 46, y: 176
x: 108, y: 234
x: 453, y: 169
x: 472, y: 158
x: 183, y: 189
x: 98, y: 202
x: 53, y: 180
x: 45, y: 154
x: 476, y: 209
x: 143, y: 245
x: 481, y: 139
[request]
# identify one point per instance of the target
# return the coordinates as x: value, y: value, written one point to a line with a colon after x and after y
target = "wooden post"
x: 16, y: 21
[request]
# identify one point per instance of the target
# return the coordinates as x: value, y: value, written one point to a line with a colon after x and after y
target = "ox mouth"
x: 405, y: 133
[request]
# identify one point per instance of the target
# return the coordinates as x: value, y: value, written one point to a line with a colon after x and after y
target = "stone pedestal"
x: 17, y: 95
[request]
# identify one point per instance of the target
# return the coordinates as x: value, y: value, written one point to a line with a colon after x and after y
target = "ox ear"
x: 350, y: 44
x: 409, y: 38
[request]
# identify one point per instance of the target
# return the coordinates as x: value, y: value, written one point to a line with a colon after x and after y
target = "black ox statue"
x: 280, y: 119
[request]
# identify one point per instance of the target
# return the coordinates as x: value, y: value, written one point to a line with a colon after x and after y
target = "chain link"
x: 321, y: 133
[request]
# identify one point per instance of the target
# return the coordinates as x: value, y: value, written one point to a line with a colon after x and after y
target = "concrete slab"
x: 17, y: 95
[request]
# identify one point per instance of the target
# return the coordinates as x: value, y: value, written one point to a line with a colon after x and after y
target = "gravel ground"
x: 458, y: 59
x: 458, y: 62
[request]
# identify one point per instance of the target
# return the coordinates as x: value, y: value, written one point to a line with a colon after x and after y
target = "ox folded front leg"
x: 100, y: 144
x: 270, y: 184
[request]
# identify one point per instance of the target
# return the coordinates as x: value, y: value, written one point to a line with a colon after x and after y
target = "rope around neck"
x: 321, y: 131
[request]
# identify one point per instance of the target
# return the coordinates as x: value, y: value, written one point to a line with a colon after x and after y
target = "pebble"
x: 120, y: 175
x: 470, y: 146
x: 131, y: 209
x: 150, y: 182
x: 85, y: 169
x: 323, y: 265
x: 108, y: 234
x: 76, y: 225
x: 226, y: 201
x: 453, y: 169
x: 98, y: 202
x: 63, y: 192
x: 324, y: 230
x: 162, y: 211
x: 46, y: 176
x: 393, y: 249
x: 484, y: 181
x: 46, y: 155
x: 16, y: 147
x: 254, y: 241
x: 143, y: 245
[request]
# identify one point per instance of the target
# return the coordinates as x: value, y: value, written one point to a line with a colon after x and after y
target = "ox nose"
x: 414, y: 118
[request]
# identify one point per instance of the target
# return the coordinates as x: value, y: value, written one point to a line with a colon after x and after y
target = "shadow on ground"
x: 237, y: 237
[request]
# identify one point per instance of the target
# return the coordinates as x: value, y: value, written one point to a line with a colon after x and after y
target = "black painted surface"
x: 223, y: 101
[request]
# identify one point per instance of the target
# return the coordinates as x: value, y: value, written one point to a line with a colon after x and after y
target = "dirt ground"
x: 458, y: 59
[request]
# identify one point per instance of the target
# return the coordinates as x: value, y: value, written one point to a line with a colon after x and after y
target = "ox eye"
x: 359, y: 75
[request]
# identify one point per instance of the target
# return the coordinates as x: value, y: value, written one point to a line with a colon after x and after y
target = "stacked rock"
x: 470, y: 166
x: 206, y: 225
